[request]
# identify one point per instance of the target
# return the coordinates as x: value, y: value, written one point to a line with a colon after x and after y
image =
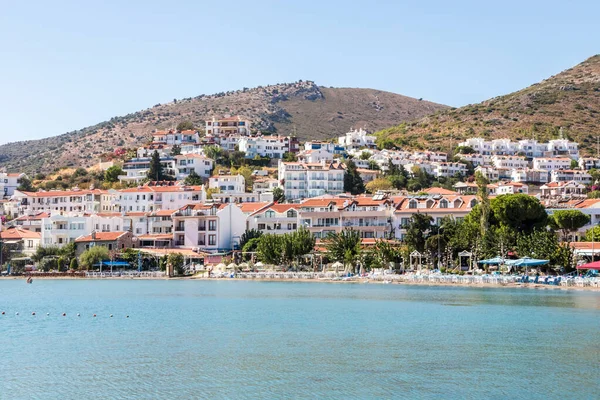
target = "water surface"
x: 250, y: 340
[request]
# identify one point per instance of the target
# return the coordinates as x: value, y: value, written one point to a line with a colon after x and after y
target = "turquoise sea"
x: 281, y: 340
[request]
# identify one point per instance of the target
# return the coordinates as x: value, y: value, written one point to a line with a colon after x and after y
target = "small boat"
x: 29, y: 280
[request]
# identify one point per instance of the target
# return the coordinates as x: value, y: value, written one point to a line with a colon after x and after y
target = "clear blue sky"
x: 65, y: 65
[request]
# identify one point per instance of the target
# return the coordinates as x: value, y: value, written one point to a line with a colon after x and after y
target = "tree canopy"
x: 569, y: 221
x: 353, y: 183
x: 111, y: 175
x: 185, y: 126
x: 193, y: 179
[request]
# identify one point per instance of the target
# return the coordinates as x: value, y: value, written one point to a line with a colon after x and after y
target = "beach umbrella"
x: 493, y: 261
x: 337, y: 265
x: 221, y: 267
x: 232, y: 266
x: 593, y: 265
x: 259, y: 264
x: 527, y: 262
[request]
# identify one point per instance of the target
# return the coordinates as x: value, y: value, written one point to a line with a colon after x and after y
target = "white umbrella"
x: 259, y: 264
x: 232, y: 266
x: 244, y: 265
x: 337, y: 265
x: 221, y: 267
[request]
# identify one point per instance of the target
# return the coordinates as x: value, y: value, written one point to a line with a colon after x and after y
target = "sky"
x: 65, y: 65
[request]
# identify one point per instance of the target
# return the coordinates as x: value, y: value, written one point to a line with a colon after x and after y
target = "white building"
x: 588, y: 163
x: 186, y: 163
x: 228, y: 126
x: 530, y: 148
x: 530, y: 175
x: 356, y: 139
x: 136, y: 169
x: 565, y: 175
x: 9, y: 182
x: 551, y: 163
x: 228, y: 183
x: 476, y: 159
x: 507, y: 188
x: 173, y: 137
x: 448, y: 169
x: 315, y: 156
x: 75, y: 200
x: 509, y: 162
x: 265, y: 146
x: 301, y: 180
x: 58, y: 230
x: 264, y: 184
x: 488, y: 172
x: 275, y: 218
x: 208, y: 227
x: 153, y: 196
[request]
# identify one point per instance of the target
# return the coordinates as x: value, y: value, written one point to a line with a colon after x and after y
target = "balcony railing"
x: 179, y: 228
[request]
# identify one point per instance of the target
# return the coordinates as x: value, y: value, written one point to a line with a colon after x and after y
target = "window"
x: 212, y: 225
x: 261, y: 226
x: 444, y: 203
x: 291, y: 214
x: 212, y: 240
x: 412, y: 204
x: 270, y: 214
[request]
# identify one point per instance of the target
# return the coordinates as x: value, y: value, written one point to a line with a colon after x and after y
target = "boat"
x: 29, y: 280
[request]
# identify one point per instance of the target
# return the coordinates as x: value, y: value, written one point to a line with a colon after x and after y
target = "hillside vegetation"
x: 301, y: 108
x: 570, y: 100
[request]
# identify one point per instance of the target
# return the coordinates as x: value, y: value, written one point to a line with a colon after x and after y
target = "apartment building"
x: 565, y: 175
x: 228, y: 125
x: 302, y: 180
x: 208, y: 227
x: 315, y: 156
x: 530, y: 148
x: 173, y: 137
x: 568, y: 189
x: 264, y: 185
x: 435, y: 205
x: 113, y: 241
x: 136, y: 169
x: 267, y: 146
x: 61, y: 229
x: 9, y: 182
x: 275, y: 218
x: 186, y: 163
x: 20, y: 241
x: 509, y: 162
x: 371, y: 216
x: 74, y: 200
x: 530, y: 175
x: 447, y: 169
x: 588, y: 163
x: 356, y: 139
x: 156, y: 196
x: 551, y: 163
x: 333, y: 148
x: 228, y: 183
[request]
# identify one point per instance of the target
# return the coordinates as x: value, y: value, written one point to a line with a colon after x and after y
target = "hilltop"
x: 570, y: 99
x: 301, y: 108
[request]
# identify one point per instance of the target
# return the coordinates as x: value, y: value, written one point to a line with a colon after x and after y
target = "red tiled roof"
x: 18, y: 233
x: 157, y: 236
x: 35, y: 217
x: 101, y: 237
x: 248, y: 208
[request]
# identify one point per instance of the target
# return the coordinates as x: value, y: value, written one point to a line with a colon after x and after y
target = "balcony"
x: 179, y: 243
x: 202, y: 228
x: 179, y: 228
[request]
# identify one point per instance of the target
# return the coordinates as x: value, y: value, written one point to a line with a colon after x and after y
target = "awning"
x: 593, y: 265
x: 493, y: 261
x: 527, y: 262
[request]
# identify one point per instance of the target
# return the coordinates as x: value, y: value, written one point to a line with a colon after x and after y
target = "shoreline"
x: 362, y: 281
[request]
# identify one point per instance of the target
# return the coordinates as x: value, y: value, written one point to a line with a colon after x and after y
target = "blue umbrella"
x: 493, y: 261
x: 527, y: 262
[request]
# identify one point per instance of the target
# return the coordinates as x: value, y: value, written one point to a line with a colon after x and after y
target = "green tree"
x: 193, y: 179
x: 177, y: 261
x: 344, y: 246
x: 373, y: 166
x: 45, y: 251
x: 484, y: 202
x: 365, y: 155
x: 520, y: 212
x: 248, y: 235
x: 111, y: 175
x: 185, y: 126
x: 541, y: 243
x: 289, y: 157
x: 353, y: 183
x: 175, y: 150
x: 464, y: 150
x: 569, y: 221
x: 278, y: 195
x: 214, y: 152
x: 385, y: 253
x: 80, y: 172
x: 156, y: 172
x: 25, y: 185
x: 417, y: 231
x: 270, y: 248
x: 93, y: 256
x: 74, y: 265
x: 379, y: 184
x: 303, y: 242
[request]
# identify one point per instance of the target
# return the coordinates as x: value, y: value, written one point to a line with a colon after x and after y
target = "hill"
x: 303, y: 108
x: 570, y: 99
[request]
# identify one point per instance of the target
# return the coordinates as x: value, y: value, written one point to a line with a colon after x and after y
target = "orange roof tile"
x: 13, y: 233
x: 101, y: 237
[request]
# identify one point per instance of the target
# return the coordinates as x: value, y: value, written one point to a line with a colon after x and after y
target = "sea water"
x: 188, y: 339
